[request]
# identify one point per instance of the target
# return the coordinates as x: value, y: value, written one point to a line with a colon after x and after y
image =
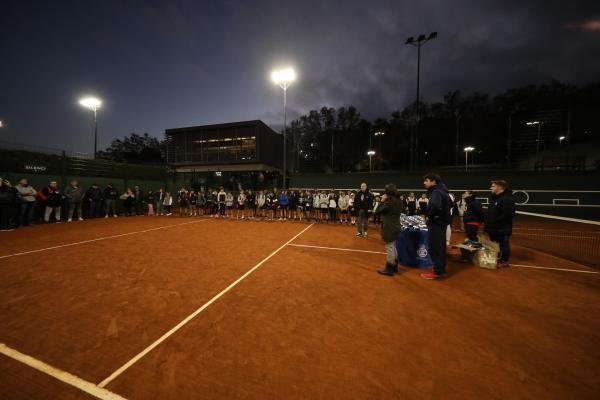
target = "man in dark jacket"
x: 7, y: 199
x: 52, y: 199
x: 93, y: 197
x: 473, y: 215
x: 390, y: 208
x: 438, y: 218
x: 110, y: 200
x: 363, y: 202
x: 499, y: 218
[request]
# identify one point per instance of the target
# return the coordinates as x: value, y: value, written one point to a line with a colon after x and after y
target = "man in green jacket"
x: 390, y: 210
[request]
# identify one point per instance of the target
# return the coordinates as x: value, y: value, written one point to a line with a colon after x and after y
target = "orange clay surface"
x: 309, y: 323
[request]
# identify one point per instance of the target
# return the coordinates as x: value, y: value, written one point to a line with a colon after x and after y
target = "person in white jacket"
x: 343, y: 206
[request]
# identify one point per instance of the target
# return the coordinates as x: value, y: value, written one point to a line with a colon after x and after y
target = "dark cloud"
x: 166, y: 64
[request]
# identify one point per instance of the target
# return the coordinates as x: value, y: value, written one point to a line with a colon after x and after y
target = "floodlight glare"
x: 283, y: 76
x: 533, y: 123
x: 91, y: 102
x: 469, y: 148
x: 371, y: 152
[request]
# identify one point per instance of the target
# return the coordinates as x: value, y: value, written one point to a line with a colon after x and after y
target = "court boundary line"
x: 187, y: 319
x: 63, y: 376
x: 100, y: 238
x: 336, y: 248
x: 379, y: 252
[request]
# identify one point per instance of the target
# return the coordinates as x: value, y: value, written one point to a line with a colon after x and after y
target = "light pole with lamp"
x: 284, y: 78
x: 467, y: 150
x: 379, y: 134
x: 414, y: 141
x: 539, y: 134
x: 93, y: 104
x: 371, y: 153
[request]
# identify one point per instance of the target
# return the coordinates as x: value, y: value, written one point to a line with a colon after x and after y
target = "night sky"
x: 159, y: 64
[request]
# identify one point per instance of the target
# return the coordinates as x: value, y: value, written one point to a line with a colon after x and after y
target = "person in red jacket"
x: 52, y: 200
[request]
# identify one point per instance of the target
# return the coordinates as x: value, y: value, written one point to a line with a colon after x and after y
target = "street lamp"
x: 414, y: 142
x: 560, y: 139
x: 371, y: 153
x: 93, y: 104
x: 284, y: 78
x: 467, y: 150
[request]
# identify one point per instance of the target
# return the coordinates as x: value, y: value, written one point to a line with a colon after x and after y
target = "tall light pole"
x: 414, y: 139
x: 284, y: 78
x: 371, y: 153
x: 467, y: 150
x: 93, y: 104
x: 379, y: 134
x: 539, y: 136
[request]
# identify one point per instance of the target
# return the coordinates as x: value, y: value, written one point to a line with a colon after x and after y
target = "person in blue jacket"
x: 438, y: 219
x: 499, y: 218
x: 283, y: 205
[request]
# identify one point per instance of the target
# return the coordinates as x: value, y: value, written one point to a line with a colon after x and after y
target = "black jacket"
x: 438, y: 208
x: 93, y: 194
x: 6, y: 195
x: 51, y: 197
x: 110, y: 193
x: 473, y: 212
x: 500, y: 214
x: 363, y: 204
x: 391, y: 210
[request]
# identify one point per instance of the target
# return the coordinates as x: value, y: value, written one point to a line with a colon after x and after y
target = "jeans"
x: 5, y: 212
x: 48, y: 212
x: 391, y: 254
x: 94, y: 209
x: 363, y: 221
x: 110, y: 207
x: 504, y: 243
x: 159, y: 207
x: 437, y: 247
x: 72, y: 207
x: 27, y: 212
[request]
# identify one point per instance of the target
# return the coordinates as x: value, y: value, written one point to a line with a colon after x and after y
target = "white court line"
x: 164, y: 337
x: 337, y: 248
x: 379, y: 252
x: 556, y: 269
x: 62, y: 376
x: 98, y: 239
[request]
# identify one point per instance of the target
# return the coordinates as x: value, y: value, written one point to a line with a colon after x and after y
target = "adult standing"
x: 139, y: 201
x: 110, y: 200
x: 390, y: 208
x: 26, y: 194
x: 52, y: 199
x: 6, y: 204
x: 159, y: 197
x: 499, y: 218
x: 93, y: 196
x: 74, y: 195
x: 363, y: 202
x: 438, y: 219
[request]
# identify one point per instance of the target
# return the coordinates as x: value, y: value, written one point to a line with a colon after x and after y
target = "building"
x: 247, y: 153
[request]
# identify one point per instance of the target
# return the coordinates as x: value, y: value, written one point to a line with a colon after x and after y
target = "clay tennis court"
x: 179, y: 308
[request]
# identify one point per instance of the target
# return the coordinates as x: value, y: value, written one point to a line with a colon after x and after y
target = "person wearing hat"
x: 390, y: 209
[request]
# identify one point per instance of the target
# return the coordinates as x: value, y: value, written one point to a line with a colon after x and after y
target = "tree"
x: 134, y: 149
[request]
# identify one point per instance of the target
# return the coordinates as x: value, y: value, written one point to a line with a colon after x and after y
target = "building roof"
x: 221, y: 125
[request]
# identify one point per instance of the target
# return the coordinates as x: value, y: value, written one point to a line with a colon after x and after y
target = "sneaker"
x: 365, y: 234
x: 106, y: 216
x: 432, y: 276
x: 69, y: 220
x: 359, y: 234
x: 81, y: 219
x: 115, y: 215
x: 503, y: 264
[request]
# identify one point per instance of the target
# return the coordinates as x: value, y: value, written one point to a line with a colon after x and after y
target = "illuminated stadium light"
x: 93, y: 104
x: 371, y: 153
x: 284, y: 78
x: 467, y: 150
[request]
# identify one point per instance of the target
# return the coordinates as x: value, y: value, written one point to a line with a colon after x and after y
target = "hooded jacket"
x: 500, y: 214
x: 473, y: 212
x: 439, y: 206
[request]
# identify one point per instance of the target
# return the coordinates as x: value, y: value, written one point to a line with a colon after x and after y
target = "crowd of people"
x: 21, y: 205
